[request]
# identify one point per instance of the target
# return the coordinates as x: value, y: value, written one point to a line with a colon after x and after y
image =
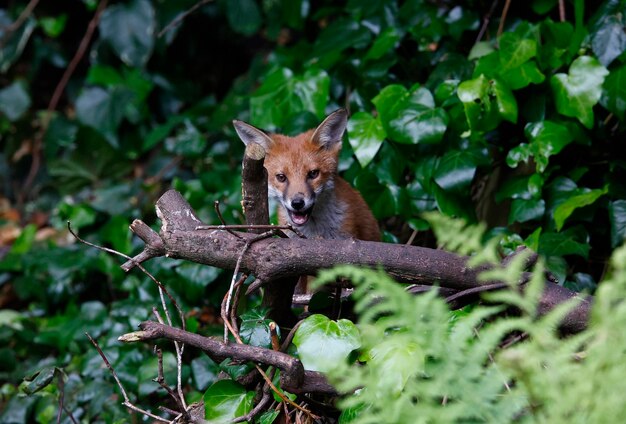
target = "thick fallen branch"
x: 274, y: 259
x: 293, y: 376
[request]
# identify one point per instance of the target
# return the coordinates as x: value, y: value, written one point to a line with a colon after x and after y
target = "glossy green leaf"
x: 366, y: 135
x: 53, y: 26
x: 204, y: 372
x: 225, y: 400
x: 578, y: 91
x: 254, y: 329
x: 565, y: 209
x: 566, y: 242
x: 523, y: 210
x: 103, y: 109
x: 456, y: 169
x: 546, y: 138
x: 614, y: 92
x: 453, y: 204
x: 486, y: 103
x: 523, y: 75
x: 244, y: 16
x: 381, y: 197
x: 515, y: 50
x: 284, y: 94
x: 410, y: 116
x: 14, y: 101
x: 14, y: 43
x: 384, y: 43
x: 268, y: 417
x: 322, y: 343
x: 606, y: 32
x: 129, y: 29
x: 617, y: 216
x: 401, y: 360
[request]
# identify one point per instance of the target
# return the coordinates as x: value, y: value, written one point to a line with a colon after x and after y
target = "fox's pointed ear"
x: 329, y: 133
x: 249, y: 134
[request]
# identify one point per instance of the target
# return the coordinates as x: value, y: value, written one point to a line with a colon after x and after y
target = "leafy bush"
x: 421, y: 363
x: 518, y: 128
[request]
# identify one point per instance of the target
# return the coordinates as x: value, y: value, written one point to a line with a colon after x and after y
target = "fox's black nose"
x: 297, y: 203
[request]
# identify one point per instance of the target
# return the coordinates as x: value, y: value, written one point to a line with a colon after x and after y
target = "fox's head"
x: 300, y: 169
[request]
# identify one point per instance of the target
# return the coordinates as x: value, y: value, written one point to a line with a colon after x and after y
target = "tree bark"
x: 274, y: 259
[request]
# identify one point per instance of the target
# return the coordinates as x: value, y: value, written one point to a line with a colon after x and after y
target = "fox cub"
x: 302, y: 176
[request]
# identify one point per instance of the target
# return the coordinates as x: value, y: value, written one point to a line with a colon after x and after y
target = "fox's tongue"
x: 299, y: 218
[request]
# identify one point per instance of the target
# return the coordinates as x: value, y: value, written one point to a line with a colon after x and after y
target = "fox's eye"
x: 313, y: 174
x: 281, y: 178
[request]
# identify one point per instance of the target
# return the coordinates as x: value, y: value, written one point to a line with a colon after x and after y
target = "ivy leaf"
x: 365, y: 134
x: 487, y: 102
x: 608, y: 40
x: 103, y: 109
x: 614, y: 92
x: 283, y: 95
x: 255, y: 329
x: 565, y: 209
x: 522, y: 76
x: 523, y: 210
x: 244, y: 16
x: 384, y: 43
x: 515, y: 50
x: 401, y: 359
x: 456, y: 169
x: 578, y: 91
x: 617, y: 216
x: 546, y: 138
x: 129, y: 29
x: 564, y: 243
x: 13, y: 43
x: 322, y: 343
x: 225, y: 400
x: 14, y: 101
x: 452, y: 204
x: 410, y: 116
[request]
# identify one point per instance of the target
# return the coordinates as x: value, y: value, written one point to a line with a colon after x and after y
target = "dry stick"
x: 162, y: 290
x: 160, y: 379
x: 28, y: 10
x: 486, y: 20
x: 507, y: 3
x: 236, y: 298
x: 221, y: 218
x: 236, y: 272
x: 62, y: 407
x: 127, y: 403
x: 274, y: 336
x: 562, y: 10
x: 182, y: 16
x: 56, y: 96
x: 268, y: 380
x: 224, y: 313
x: 180, y: 347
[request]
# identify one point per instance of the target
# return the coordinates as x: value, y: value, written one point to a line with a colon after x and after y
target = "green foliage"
x: 518, y: 130
x: 420, y: 362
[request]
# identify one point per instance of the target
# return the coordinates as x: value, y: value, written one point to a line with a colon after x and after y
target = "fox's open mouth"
x: 299, y: 217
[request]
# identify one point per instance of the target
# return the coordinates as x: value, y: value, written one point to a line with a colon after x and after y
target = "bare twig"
x: 274, y: 336
x: 182, y: 16
x: 14, y: 26
x: 505, y: 11
x: 486, y: 20
x: 221, y: 218
x: 162, y: 291
x: 562, y: 10
x: 127, y: 403
x: 56, y: 96
x: 249, y: 242
x: 62, y: 407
